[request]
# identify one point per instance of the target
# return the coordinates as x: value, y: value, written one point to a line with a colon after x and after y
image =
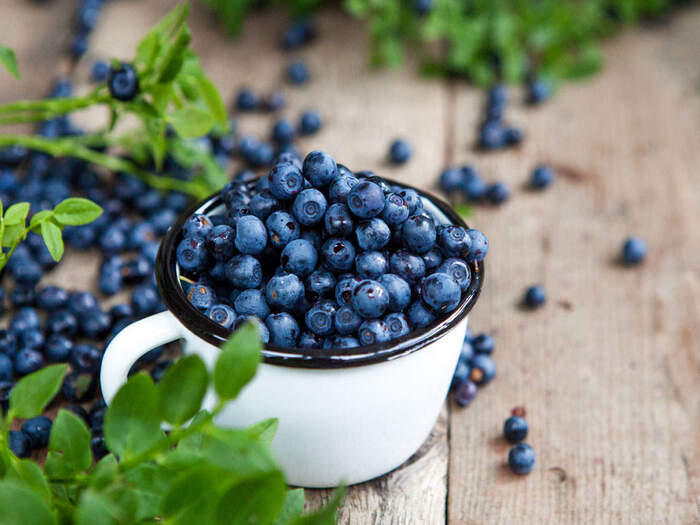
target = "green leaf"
x: 38, y: 217
x: 52, y: 239
x: 17, y: 213
x: 27, y: 473
x: 69, y: 447
x: 12, y: 235
x: 292, y: 507
x: 131, y: 422
x: 9, y: 60
x: 20, y: 506
x: 212, y: 99
x: 97, y: 509
x: 148, y: 482
x: 252, y: 501
x: 265, y: 430
x: 326, y: 515
x: 76, y: 211
x: 463, y: 210
x: 237, y: 361
x: 104, y: 472
x: 181, y: 391
x: 191, y: 122
x: 32, y: 393
x: 191, y: 496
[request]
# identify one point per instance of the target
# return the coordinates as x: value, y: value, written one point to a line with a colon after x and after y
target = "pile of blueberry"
x: 475, y: 368
x: 521, y: 458
x: 326, y: 258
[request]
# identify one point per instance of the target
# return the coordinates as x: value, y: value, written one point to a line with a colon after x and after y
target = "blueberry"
x: 37, y: 429
x: 284, y: 291
x: 366, y: 200
x: 109, y: 279
x: 6, y: 368
x: 535, y: 296
x: 192, y: 254
x: 58, y: 348
x: 461, y: 373
x: 222, y: 314
x: 20, y: 444
x: 28, y: 361
x: 418, y: 234
x: 121, y: 311
x: 113, y: 239
x: 483, y: 369
x: 79, y: 411
x: 309, y: 207
x: 310, y: 340
x: 397, y: 324
x: 284, y: 330
x: 26, y: 274
x: 479, y: 245
x: 283, y: 132
x: 137, y: 269
x: 521, y: 458
x: 310, y: 122
x: 51, y: 298
x: 299, y: 257
x: 26, y: 318
x: 396, y: 209
x: 408, y: 266
x: 340, y: 341
x: 338, y: 254
x: 542, y: 176
x: 320, y: 317
x: 141, y: 234
x: 263, y: 204
x: 371, y: 265
x: 342, y: 184
x: 201, y: 296
x: 85, y: 358
x: 252, y: 302
x: 319, y: 168
x: 465, y: 393
x: 400, y: 151
x: 282, y: 228
x: 345, y: 288
x: 31, y: 339
x: 98, y: 447
x: 419, y: 315
x: 347, y: 321
x: 5, y: 389
x: 220, y: 242
x: 79, y: 45
x: 370, y: 299
x: 78, y: 386
x: 297, y: 72
x: 634, y: 251
x: 373, y: 234
x: 482, y: 344
x: 145, y: 300
x: 492, y: 135
x: 8, y: 343
x: 62, y: 322
x: 399, y: 292
x: 458, y: 271
x: 320, y: 284
x: 80, y: 237
x: 99, y: 71
x: 338, y: 220
x: 251, y: 235
x: 454, y: 241
x: 244, y: 271
x: 373, y: 331
x: 22, y: 296
x: 197, y: 225
x: 246, y: 100
x: 286, y: 180
x: 538, y: 91
x: 440, y: 292
x: 123, y: 82
x: 161, y: 220
x: 432, y: 260
x: 515, y: 429
x: 451, y: 180
x: 299, y: 33
x: 273, y: 101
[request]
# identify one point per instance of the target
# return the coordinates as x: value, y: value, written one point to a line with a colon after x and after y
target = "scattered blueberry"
x: 521, y: 458
x: 535, y: 296
x: 542, y: 176
x: 634, y: 251
x: 400, y: 151
x: 123, y: 82
x: 515, y: 429
x: 37, y: 429
x: 298, y: 72
x: 20, y: 444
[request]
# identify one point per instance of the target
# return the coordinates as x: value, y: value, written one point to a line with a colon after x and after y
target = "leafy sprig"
x: 197, y: 472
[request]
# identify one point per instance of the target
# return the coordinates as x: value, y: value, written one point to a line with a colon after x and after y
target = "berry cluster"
x: 475, y: 368
x: 521, y: 458
x: 327, y: 258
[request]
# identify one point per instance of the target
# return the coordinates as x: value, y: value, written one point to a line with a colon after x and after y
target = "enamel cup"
x: 345, y: 415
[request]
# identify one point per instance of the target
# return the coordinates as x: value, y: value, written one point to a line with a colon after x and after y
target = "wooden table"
x: 609, y: 369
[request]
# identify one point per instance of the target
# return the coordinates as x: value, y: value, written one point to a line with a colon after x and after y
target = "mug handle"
x: 131, y: 343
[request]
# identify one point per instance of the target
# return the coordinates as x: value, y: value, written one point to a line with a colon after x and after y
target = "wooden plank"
x: 609, y: 369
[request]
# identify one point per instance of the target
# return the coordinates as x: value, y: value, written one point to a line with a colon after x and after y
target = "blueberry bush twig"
x: 196, y: 472
x: 173, y: 101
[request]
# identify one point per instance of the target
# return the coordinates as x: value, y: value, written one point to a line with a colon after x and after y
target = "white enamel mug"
x: 345, y: 415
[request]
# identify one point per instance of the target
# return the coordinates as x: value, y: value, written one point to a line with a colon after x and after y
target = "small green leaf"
x: 212, y: 99
x: 292, y: 507
x: 97, y: 509
x: 237, y: 361
x: 17, y: 213
x: 38, y: 217
x: 52, y: 239
x: 265, y: 430
x: 9, y: 60
x: 76, y: 211
x: 464, y: 210
x: 104, y: 472
x: 252, y: 501
x: 131, y: 422
x: 148, y: 482
x: 181, y: 391
x: 12, y: 235
x: 29, y: 474
x: 32, y: 393
x: 69, y: 447
x: 191, y: 122
x: 174, y: 57
x: 20, y: 506
x: 191, y: 496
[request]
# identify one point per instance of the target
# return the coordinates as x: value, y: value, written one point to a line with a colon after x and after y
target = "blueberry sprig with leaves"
x: 196, y: 472
x: 74, y: 211
x: 164, y: 88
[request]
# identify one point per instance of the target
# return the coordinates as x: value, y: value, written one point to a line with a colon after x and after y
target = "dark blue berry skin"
x: 62, y: 322
x: 371, y: 265
x: 51, y: 298
x: 432, y: 260
x: 123, y: 82
x: 310, y: 122
x: 319, y: 285
x: 141, y: 234
x: 373, y: 331
x: 58, y: 348
x: 85, y: 358
x: 461, y: 373
x: 370, y: 299
x: 137, y: 269
x: 408, y: 266
x: 342, y: 184
x: 120, y: 311
x: 451, y: 179
x: 8, y: 343
x: 283, y: 292
x: 497, y: 193
x: 283, y: 328
x: 246, y: 100
x: 162, y: 219
x: 192, y: 254
x: 20, y: 444
x: 222, y: 314
x: 263, y: 204
x: 6, y: 368
x: 197, y: 226
x: 80, y: 237
x: 542, y: 176
x: 396, y: 209
x: 467, y: 351
x: 310, y: 340
x: 145, y: 300
x: 515, y: 429
x: 345, y: 288
x: 5, y: 389
x: 201, y: 296
x: 538, y: 91
x: 273, y: 101
x: 298, y: 73
x: 282, y: 228
x: 483, y: 369
x: 483, y: 344
x: 535, y: 296
x: 454, y: 241
x: 37, y: 429
x: 397, y: 324
x: 220, y: 242
x: 373, y: 234
x: 400, y: 151
x: 22, y: 296
x: 252, y: 302
x: 262, y: 328
x: 309, y: 207
x: 320, y: 318
x: 286, y: 181
x: 634, y: 251
x: 25, y: 319
x: 26, y: 274
x: 78, y: 386
x: 299, y: 257
x: 79, y: 45
x: 283, y: 132
x: 492, y: 135
x: 514, y: 136
x: 98, y: 447
x: 399, y: 291
x: 412, y: 199
x: 31, y: 339
x: 113, y: 239
x: 418, y: 234
x: 244, y: 271
x: 251, y: 235
x: 99, y: 71
x: 299, y: 33
x: 79, y: 411
x: 347, y: 321
x: 319, y: 168
x: 419, y: 315
x: 465, y: 393
x: 440, y: 292
x: 479, y: 246
x: 521, y: 458
x: 27, y: 361
x: 338, y: 255
x: 366, y: 200
x: 458, y: 270
x: 340, y: 341
x: 338, y: 220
